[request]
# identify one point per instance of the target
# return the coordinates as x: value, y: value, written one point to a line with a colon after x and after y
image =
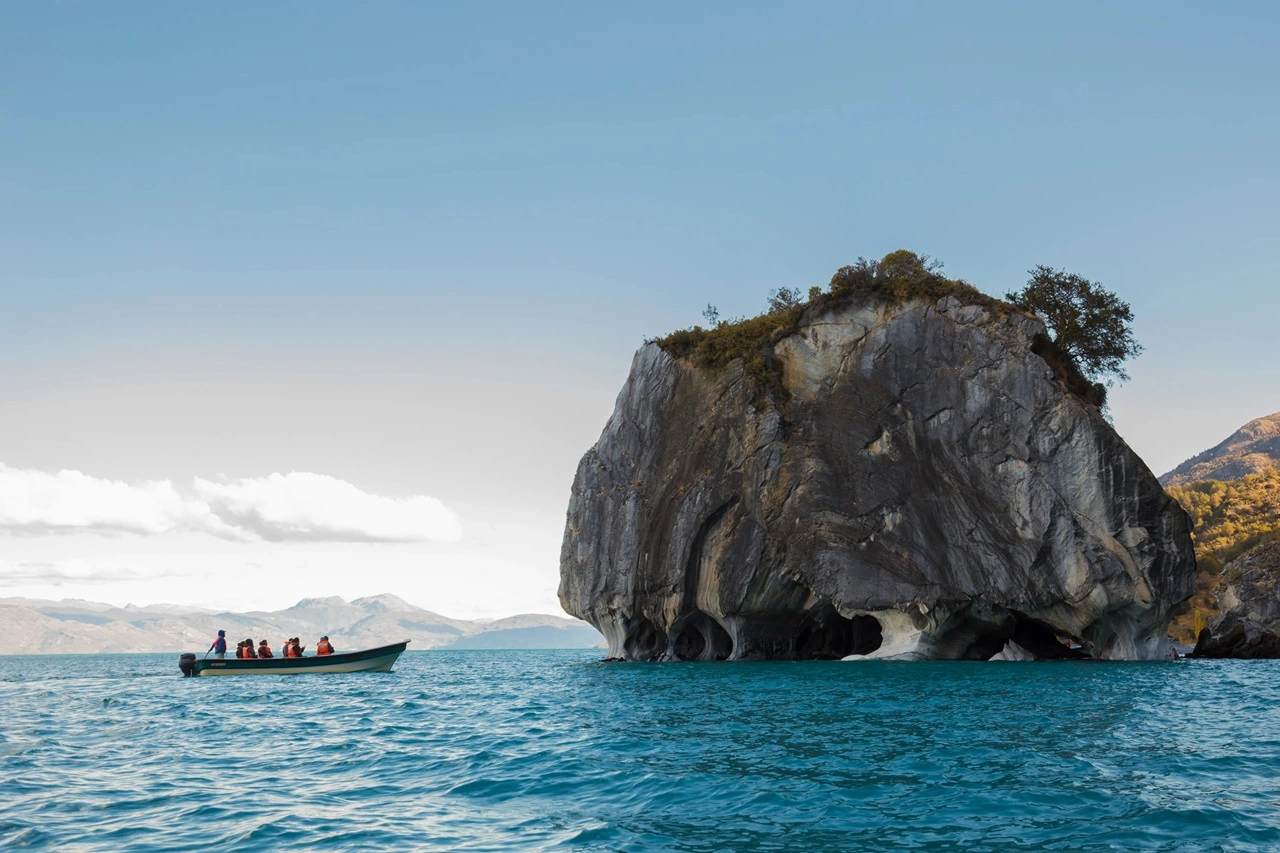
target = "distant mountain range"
x: 1252, y: 449
x: 35, y: 626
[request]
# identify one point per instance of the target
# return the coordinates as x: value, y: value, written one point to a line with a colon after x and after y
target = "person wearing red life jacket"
x: 323, y: 647
x: 219, y: 647
x: 264, y: 651
x: 248, y: 649
x: 295, y: 650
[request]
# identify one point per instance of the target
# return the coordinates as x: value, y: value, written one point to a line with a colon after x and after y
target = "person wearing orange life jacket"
x: 248, y: 649
x: 240, y: 650
x: 264, y: 651
x: 323, y: 647
x: 295, y: 650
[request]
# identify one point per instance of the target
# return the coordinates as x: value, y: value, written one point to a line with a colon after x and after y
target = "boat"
x: 380, y: 659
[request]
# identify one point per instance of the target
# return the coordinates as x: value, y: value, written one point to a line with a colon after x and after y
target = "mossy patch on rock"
x: 897, y: 278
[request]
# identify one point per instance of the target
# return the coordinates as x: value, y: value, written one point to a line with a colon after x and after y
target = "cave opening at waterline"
x: 702, y: 638
x: 1042, y: 641
x: 827, y: 635
x: 983, y: 633
x: 644, y: 641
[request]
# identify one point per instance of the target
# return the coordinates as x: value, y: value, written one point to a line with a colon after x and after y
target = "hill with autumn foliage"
x: 1230, y: 518
x: 1252, y: 449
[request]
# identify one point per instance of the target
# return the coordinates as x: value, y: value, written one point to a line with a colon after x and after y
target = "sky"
x: 318, y: 298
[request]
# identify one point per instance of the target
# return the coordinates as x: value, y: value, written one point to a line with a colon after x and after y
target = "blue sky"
x: 413, y: 246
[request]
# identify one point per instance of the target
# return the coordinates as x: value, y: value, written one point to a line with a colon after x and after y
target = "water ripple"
x: 556, y: 751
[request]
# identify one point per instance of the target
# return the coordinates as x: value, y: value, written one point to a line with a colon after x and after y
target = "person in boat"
x: 219, y: 647
x: 324, y: 647
x: 248, y: 649
x: 264, y: 651
x: 294, y: 650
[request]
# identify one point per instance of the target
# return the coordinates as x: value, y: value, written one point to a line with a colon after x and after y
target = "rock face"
x: 1253, y: 448
x: 1249, y: 598
x: 927, y: 490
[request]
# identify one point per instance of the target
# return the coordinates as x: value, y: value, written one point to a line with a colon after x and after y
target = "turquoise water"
x: 554, y: 751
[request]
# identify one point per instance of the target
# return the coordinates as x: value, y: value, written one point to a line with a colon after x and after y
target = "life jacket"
x: 220, y: 645
x: 323, y: 648
x: 265, y: 652
x: 292, y: 651
x: 249, y: 652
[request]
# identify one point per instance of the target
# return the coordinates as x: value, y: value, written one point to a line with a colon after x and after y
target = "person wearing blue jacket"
x: 219, y: 647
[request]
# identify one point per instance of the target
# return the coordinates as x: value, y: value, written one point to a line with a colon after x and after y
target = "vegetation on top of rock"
x: 1088, y: 322
x: 902, y: 276
x: 899, y: 276
x: 1229, y: 519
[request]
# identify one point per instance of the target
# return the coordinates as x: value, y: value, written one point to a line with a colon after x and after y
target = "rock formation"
x: 1249, y: 601
x: 921, y: 486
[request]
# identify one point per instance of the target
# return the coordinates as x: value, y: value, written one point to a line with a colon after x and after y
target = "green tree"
x: 1088, y: 322
x: 783, y: 299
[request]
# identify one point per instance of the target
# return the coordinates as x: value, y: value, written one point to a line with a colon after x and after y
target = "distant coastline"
x: 76, y: 626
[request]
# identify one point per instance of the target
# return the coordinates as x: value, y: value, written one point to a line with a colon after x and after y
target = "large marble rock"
x: 1248, y: 625
x: 926, y: 490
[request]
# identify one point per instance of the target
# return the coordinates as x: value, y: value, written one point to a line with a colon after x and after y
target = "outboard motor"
x: 187, y: 663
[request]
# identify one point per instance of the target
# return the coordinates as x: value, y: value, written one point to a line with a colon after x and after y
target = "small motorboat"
x: 380, y: 659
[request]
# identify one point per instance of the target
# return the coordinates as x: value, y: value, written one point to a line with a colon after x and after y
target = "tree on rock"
x: 1088, y: 322
x: 783, y: 299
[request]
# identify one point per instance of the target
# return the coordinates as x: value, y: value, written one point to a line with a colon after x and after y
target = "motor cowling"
x: 187, y: 663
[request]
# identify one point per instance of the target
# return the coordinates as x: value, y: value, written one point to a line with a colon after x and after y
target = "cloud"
x: 276, y: 508
x: 300, y: 506
x: 69, y: 501
x: 76, y: 571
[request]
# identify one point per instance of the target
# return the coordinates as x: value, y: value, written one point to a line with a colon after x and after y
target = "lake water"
x: 556, y: 751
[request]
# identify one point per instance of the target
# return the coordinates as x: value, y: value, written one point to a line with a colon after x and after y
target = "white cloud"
x: 316, y: 507
x: 39, y: 502
x: 275, y: 508
x: 72, y: 571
